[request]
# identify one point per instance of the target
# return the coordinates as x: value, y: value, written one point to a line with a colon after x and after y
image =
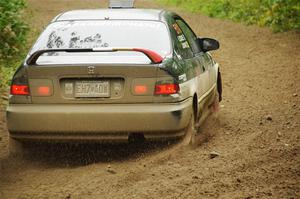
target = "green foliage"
x: 12, y: 28
x: 280, y: 15
x: 7, y: 69
x: 5, y: 77
x: 13, y: 31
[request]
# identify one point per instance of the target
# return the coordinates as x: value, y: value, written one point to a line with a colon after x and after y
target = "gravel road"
x: 255, y: 136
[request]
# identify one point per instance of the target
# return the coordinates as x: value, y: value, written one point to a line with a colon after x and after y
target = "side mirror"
x: 208, y: 44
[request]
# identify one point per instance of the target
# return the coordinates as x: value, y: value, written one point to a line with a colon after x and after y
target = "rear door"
x: 209, y: 63
x: 202, y: 69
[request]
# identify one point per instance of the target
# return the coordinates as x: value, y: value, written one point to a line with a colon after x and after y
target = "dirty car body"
x: 107, y: 74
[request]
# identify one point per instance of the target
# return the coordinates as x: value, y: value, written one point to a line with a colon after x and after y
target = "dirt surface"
x: 256, y: 132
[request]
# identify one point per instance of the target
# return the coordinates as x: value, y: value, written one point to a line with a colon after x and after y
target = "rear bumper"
x: 97, y: 122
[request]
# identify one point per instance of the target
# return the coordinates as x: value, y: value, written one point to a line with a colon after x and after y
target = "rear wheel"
x: 219, y: 86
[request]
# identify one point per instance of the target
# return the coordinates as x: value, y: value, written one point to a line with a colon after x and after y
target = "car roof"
x: 121, y: 14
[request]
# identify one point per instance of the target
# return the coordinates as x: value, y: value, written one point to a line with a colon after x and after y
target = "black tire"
x: 219, y: 86
x: 216, y: 104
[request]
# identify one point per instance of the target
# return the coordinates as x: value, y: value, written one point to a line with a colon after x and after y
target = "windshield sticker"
x: 177, y: 29
x: 181, y: 38
x: 92, y: 41
x: 75, y: 41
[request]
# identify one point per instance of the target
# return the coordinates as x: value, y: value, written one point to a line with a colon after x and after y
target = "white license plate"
x: 92, y: 89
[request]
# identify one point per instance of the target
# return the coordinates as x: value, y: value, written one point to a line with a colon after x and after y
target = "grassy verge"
x: 7, y: 69
x: 13, y: 40
x: 279, y: 15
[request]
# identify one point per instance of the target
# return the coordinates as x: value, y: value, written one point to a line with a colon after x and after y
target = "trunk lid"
x: 104, y: 83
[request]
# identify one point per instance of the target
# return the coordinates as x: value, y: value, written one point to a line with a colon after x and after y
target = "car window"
x: 151, y: 35
x: 182, y: 46
x: 189, y: 34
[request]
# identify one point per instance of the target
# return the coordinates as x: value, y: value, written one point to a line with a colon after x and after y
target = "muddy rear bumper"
x: 97, y: 122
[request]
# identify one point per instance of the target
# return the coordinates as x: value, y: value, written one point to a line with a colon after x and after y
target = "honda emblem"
x: 91, y: 70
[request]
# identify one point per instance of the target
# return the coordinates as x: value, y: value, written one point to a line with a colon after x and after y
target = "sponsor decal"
x: 177, y: 29
x: 181, y: 38
x: 185, y: 45
x: 182, y: 78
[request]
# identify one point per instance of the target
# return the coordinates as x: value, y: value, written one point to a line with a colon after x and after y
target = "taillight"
x: 166, y: 89
x: 19, y: 90
x: 140, y: 89
x: 44, y: 91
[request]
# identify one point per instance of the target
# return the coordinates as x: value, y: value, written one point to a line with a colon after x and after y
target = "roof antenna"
x: 121, y: 3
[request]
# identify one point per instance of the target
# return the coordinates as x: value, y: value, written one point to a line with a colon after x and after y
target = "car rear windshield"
x: 151, y: 35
